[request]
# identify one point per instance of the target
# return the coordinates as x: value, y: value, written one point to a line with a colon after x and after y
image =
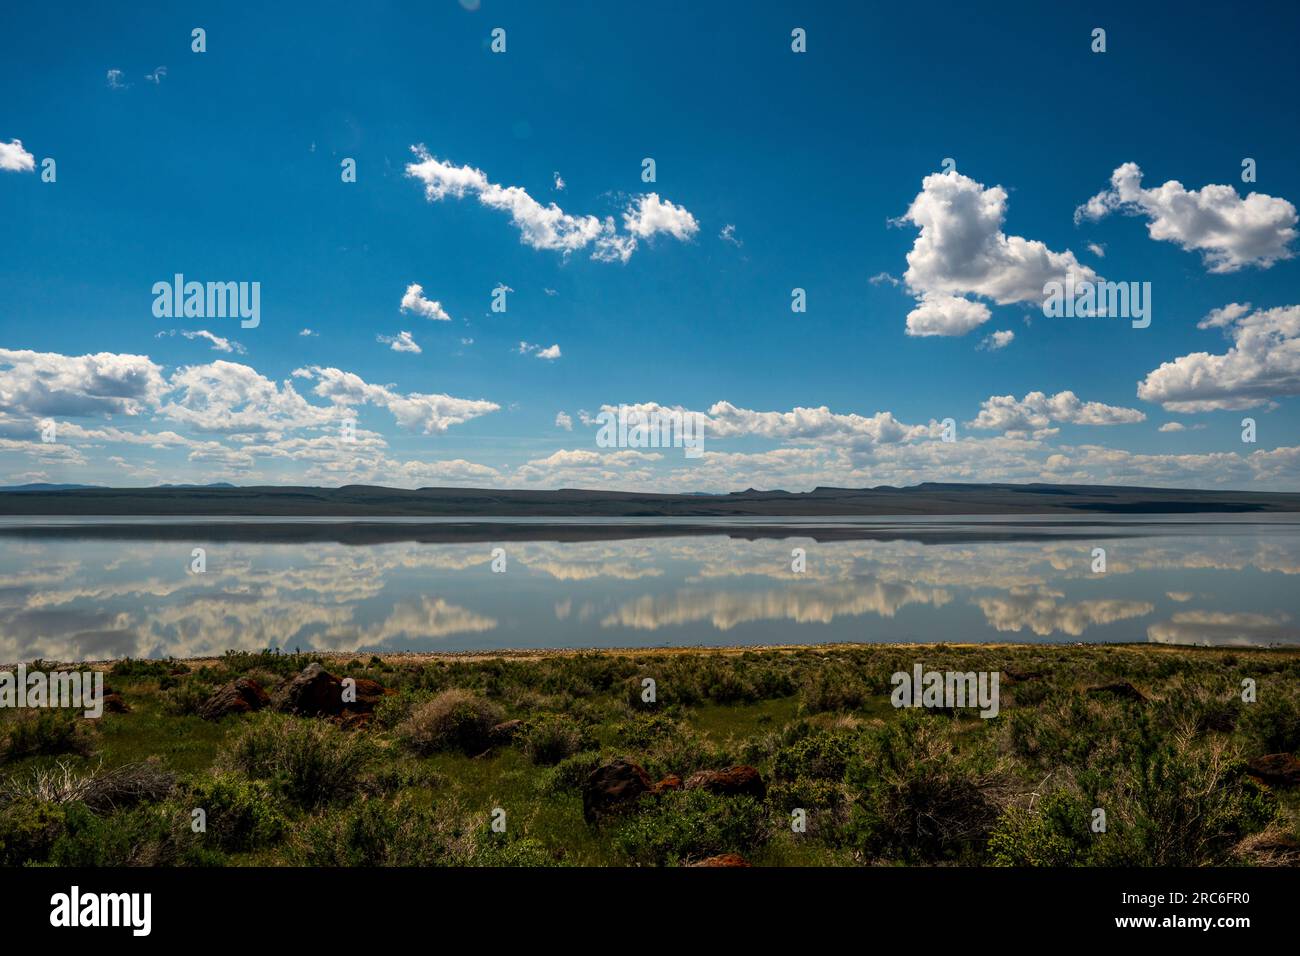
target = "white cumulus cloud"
x: 1230, y: 232
x: 401, y: 342
x: 962, y: 251
x: 1262, y: 364
x: 15, y: 159
x: 415, y: 301
x: 946, y: 315
x: 548, y: 226
x: 1033, y: 415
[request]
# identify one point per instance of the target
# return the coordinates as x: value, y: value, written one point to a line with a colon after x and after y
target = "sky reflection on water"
x: 78, y: 595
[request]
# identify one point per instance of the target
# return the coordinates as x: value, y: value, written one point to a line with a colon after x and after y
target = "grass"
x: 419, y: 783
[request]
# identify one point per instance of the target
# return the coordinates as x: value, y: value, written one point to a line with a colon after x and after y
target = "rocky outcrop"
x: 732, y: 782
x: 615, y: 787
x: 1121, y: 689
x: 723, y: 859
x: 670, y: 782
x: 1276, y: 770
x: 241, y: 696
x: 368, y: 695
x: 317, y: 693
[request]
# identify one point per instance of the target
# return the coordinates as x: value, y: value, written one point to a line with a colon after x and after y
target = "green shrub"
x: 454, y: 720
x: 823, y: 755
x: 241, y: 814
x: 919, y: 798
x: 311, y: 762
x: 1176, y: 804
x: 1168, y: 802
x: 572, y: 772
x: 28, y: 829
x: 1055, y: 832
x: 185, y: 697
x: 686, y: 825
x: 824, y: 802
x: 1272, y: 723
x: 645, y: 730
x: 552, y: 738
x: 832, y: 687
x: 148, y: 835
x: 500, y: 850
x: 136, y: 669
x: 235, y: 663
x: 392, y: 709
x: 375, y: 833
x: 45, y: 732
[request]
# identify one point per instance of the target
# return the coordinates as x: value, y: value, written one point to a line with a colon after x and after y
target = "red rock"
x: 313, y: 693
x: 368, y: 694
x: 612, y: 788
x: 734, y: 781
x: 240, y: 696
x: 724, y: 859
x: 670, y: 782
x: 1277, y: 770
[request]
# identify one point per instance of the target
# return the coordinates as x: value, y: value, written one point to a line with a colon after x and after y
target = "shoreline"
x: 721, y: 650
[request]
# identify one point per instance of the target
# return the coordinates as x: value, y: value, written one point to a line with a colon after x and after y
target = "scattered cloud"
x: 219, y: 344
x: 1229, y: 231
x: 728, y: 234
x: 413, y: 411
x: 1033, y: 415
x: 550, y: 353
x: 998, y: 340
x: 15, y: 159
x: 1262, y: 364
x: 962, y: 251
x: 559, y: 182
x: 401, y: 342
x: 114, y: 79
x: 47, y: 383
x: 562, y: 420
x: 649, y: 215
x: 414, y: 301
x: 946, y: 315
x: 157, y: 76
x: 548, y: 226
x: 1224, y: 317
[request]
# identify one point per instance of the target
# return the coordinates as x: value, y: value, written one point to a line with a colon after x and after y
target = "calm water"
x: 88, y: 589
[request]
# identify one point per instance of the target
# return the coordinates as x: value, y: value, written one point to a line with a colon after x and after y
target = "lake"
x: 94, y: 589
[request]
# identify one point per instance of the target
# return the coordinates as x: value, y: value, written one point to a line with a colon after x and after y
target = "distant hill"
x: 43, y: 486
x: 360, y: 501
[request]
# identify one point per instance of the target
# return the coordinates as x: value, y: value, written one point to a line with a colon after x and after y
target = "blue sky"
x: 775, y: 170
